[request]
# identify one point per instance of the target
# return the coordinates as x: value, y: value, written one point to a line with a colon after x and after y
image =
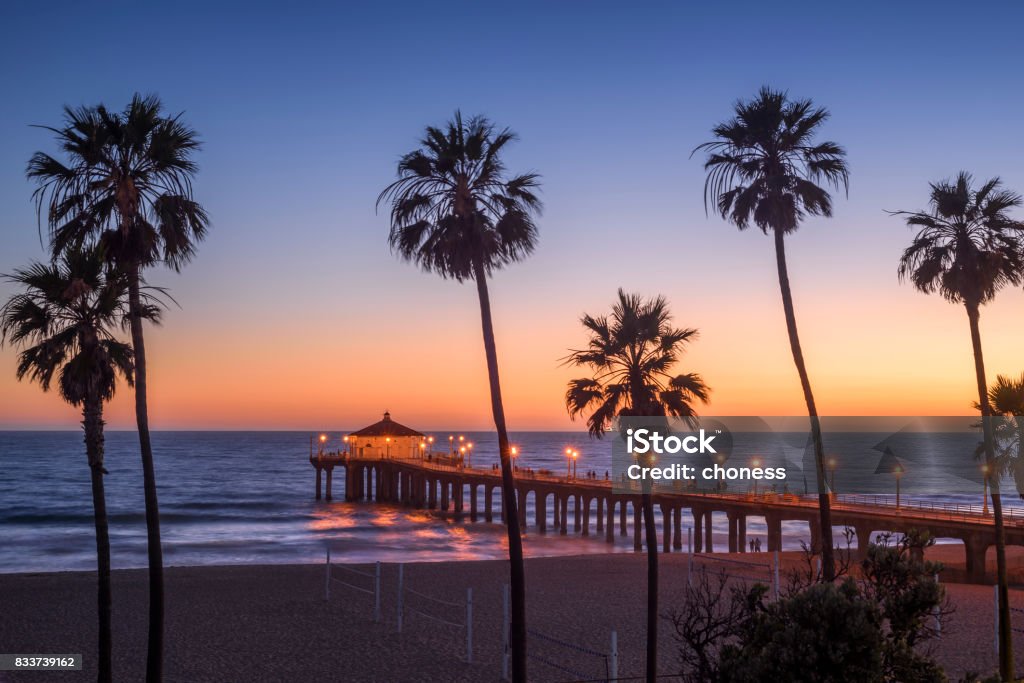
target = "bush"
x: 857, y: 631
x: 825, y: 633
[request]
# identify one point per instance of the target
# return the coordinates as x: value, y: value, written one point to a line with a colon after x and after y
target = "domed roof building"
x: 386, y: 439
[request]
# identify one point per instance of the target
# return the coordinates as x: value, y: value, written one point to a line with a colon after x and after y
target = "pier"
x: 439, y: 483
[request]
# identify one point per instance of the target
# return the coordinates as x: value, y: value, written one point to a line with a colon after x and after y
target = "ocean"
x: 248, y: 497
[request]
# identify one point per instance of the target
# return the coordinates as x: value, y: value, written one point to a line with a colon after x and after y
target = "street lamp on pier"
x: 755, y: 463
x: 575, y: 457
x: 469, y: 450
x: 984, y: 489
x: 898, y: 472
x: 832, y: 464
x: 568, y: 463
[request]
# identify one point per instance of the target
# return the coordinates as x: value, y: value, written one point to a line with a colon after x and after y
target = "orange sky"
x: 887, y: 350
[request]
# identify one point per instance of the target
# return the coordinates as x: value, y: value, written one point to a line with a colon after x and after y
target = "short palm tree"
x: 765, y: 167
x: 967, y: 247
x: 457, y: 213
x: 1006, y: 399
x: 124, y: 181
x: 64, y: 323
x: 633, y: 354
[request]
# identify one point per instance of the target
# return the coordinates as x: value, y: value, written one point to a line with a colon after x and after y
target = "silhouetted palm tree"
x: 967, y: 247
x: 125, y: 181
x: 64, y: 322
x: 765, y: 167
x: 455, y: 212
x: 1006, y: 399
x: 633, y: 354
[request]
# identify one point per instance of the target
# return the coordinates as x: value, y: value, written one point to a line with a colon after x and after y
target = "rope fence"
x: 995, y: 618
x: 331, y: 577
x: 465, y: 621
x: 427, y: 606
x: 764, y: 573
x: 607, y: 662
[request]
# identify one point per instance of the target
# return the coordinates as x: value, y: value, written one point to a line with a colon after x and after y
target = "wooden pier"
x: 434, y: 483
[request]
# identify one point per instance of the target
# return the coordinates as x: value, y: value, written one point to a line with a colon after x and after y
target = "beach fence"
x: 579, y: 660
x: 409, y: 602
x: 455, y: 615
x: 1014, y: 612
x: 353, y: 579
x: 766, y: 572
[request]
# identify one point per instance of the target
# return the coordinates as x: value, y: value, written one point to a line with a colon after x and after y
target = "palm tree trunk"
x: 92, y: 423
x: 824, y: 503
x: 155, y: 644
x: 651, y: 670
x: 517, y: 572
x: 1005, y: 634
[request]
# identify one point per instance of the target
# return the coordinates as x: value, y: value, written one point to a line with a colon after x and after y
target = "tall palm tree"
x: 632, y: 355
x: 968, y: 247
x: 64, y: 322
x: 124, y: 180
x: 765, y: 166
x: 456, y: 212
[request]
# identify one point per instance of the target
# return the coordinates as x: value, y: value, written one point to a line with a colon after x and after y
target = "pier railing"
x: 440, y: 462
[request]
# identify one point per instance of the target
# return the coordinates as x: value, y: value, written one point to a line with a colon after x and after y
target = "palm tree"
x: 64, y: 322
x: 967, y: 247
x: 455, y: 212
x: 766, y: 167
x: 1006, y: 399
x: 632, y: 355
x: 125, y: 182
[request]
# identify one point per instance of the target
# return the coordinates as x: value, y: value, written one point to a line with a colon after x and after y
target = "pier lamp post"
x: 984, y: 489
x: 897, y: 470
x: 451, y: 445
x: 575, y: 457
x: 568, y: 463
x: 755, y: 463
x: 469, y: 450
x: 387, y: 440
x: 514, y: 453
x: 430, y: 444
x: 423, y: 448
x: 323, y: 440
x: 832, y: 463
x: 462, y: 456
x: 344, y: 441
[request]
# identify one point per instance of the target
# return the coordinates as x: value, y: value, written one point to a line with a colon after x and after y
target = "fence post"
x: 504, y: 632
x: 327, y: 575
x: 401, y: 577
x: 469, y: 625
x: 376, y: 593
x: 689, y: 556
x: 613, y: 659
x: 776, y: 574
x: 995, y: 618
x: 937, y: 612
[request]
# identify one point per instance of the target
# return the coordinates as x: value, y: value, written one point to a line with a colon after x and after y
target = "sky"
x: 294, y: 313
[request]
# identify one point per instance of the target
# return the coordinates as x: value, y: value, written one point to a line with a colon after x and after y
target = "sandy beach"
x: 272, y: 623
